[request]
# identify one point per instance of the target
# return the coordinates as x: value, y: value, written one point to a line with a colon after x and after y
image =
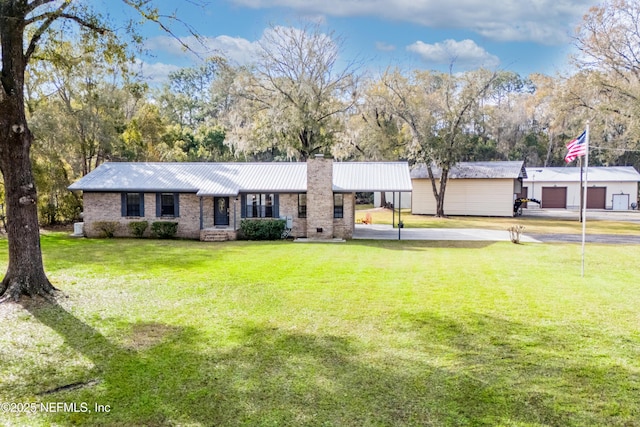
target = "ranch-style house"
x: 209, y: 200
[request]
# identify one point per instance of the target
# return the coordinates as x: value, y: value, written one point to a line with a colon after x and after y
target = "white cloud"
x: 385, y: 47
x: 542, y: 21
x: 237, y: 50
x: 156, y: 73
x: 465, y: 53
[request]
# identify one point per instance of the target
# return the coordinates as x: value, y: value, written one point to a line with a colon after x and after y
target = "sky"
x: 524, y: 36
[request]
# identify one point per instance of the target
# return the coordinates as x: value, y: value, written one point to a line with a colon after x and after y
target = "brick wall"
x: 289, y: 207
x: 107, y: 207
x: 343, y: 227
x: 319, y: 198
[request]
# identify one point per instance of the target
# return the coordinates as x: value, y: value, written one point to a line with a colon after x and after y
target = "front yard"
x: 360, y: 333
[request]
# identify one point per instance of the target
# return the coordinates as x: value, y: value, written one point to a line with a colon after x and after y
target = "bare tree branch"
x: 49, y: 18
x: 36, y: 4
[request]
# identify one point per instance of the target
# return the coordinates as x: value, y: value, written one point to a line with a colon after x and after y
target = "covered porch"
x: 219, y: 218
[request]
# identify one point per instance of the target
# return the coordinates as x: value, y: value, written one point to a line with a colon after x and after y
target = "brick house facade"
x: 208, y: 201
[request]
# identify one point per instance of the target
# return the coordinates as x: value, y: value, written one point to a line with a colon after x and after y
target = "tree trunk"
x: 383, y: 199
x: 438, y: 195
x: 25, y: 272
x: 444, y: 178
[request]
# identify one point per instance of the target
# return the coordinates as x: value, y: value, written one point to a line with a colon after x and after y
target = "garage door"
x: 554, y: 197
x: 596, y: 197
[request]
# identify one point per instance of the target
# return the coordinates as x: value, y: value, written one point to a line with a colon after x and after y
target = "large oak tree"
x: 295, y: 97
x: 440, y: 111
x: 25, y: 26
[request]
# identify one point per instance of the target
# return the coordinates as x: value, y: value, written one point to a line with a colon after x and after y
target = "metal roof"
x: 595, y: 173
x: 230, y: 179
x: 371, y: 176
x: 475, y: 170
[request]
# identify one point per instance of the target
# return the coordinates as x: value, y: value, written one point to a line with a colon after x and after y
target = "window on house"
x: 167, y: 204
x: 132, y: 204
x: 302, y: 205
x: 260, y: 205
x: 268, y: 205
x: 338, y: 205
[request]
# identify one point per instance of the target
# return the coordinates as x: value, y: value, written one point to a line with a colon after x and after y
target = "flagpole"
x: 584, y: 200
x: 581, y: 188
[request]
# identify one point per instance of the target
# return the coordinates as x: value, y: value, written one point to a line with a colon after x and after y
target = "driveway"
x: 592, y: 214
x: 386, y: 232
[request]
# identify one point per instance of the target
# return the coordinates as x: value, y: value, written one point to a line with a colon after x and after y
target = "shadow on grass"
x: 506, y: 372
x: 271, y: 377
x: 476, y: 370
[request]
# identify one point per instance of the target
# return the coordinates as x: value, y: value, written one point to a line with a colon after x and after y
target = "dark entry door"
x: 221, y: 211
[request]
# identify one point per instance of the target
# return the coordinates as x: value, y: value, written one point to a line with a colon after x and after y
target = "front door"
x: 221, y: 211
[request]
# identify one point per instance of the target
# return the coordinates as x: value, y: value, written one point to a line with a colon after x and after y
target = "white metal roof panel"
x: 595, y: 173
x: 475, y: 170
x: 229, y: 179
x: 275, y: 176
x: 224, y: 179
x: 371, y: 176
x: 142, y: 177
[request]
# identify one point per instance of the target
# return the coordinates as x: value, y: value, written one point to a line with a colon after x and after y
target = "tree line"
x: 87, y: 106
x: 70, y: 99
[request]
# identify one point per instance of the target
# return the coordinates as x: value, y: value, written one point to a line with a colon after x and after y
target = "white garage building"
x: 614, y: 187
x: 473, y: 188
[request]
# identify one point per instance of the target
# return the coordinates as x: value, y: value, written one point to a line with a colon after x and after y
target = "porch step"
x: 217, y: 235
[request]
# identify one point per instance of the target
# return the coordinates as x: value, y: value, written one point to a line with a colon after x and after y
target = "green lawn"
x: 352, y: 334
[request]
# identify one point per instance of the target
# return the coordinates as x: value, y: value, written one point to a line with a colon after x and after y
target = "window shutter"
x: 276, y: 206
x: 176, y: 204
x: 158, y: 204
x: 142, y: 204
x: 243, y: 206
x: 123, y: 204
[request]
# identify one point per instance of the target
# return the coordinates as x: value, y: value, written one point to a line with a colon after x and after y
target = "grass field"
x: 359, y: 333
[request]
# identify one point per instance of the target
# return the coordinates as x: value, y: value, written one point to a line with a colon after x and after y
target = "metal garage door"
x: 554, y: 197
x: 596, y: 197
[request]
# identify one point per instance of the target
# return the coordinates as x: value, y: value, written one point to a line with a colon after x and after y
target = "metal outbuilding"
x: 611, y: 187
x: 473, y: 188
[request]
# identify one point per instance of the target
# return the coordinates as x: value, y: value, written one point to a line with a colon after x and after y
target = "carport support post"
x: 393, y: 210
x: 399, y: 213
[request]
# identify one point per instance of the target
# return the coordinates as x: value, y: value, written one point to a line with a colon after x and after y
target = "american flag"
x: 576, y: 147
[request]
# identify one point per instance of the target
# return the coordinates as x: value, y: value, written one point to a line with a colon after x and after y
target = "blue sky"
x: 525, y: 36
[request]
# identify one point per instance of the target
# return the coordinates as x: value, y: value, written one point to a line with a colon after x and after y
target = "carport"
x: 379, y: 177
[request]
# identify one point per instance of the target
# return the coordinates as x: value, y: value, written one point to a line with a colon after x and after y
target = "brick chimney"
x: 319, y: 197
